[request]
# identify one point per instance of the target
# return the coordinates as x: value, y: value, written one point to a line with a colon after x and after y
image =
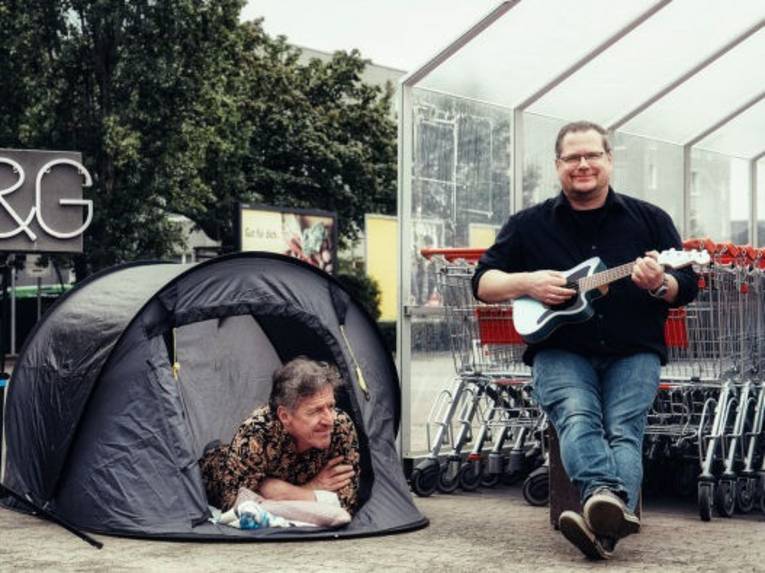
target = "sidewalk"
x: 490, y: 531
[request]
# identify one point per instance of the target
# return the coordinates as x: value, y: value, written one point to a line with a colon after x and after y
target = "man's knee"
x: 577, y: 421
x: 624, y: 433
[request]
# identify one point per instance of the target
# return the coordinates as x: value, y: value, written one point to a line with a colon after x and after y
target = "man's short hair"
x: 577, y: 126
x: 301, y: 378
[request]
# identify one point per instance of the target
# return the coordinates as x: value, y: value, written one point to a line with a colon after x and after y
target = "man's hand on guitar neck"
x: 649, y: 275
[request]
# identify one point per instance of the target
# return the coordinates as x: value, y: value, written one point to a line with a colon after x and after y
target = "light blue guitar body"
x: 535, y: 321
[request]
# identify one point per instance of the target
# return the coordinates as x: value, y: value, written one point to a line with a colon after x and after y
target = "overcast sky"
x: 401, y: 34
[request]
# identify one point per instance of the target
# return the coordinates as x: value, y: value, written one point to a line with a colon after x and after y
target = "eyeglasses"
x: 576, y: 158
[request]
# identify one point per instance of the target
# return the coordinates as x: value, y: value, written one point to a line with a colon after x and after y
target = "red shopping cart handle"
x: 752, y: 253
x: 701, y: 243
x: 730, y: 249
x: 468, y: 254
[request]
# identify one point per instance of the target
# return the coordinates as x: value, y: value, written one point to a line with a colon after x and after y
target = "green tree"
x: 179, y: 108
x: 364, y: 289
x: 316, y: 137
x: 127, y: 84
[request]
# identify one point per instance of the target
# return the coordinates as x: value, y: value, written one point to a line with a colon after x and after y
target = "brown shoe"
x: 575, y: 529
x: 607, y: 515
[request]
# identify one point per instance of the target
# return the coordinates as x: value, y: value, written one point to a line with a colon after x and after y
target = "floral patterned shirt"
x: 262, y: 448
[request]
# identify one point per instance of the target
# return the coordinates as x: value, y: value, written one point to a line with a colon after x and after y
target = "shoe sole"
x: 576, y: 535
x: 607, y: 518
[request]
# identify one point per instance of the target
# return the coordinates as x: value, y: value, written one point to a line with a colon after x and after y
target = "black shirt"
x: 552, y: 235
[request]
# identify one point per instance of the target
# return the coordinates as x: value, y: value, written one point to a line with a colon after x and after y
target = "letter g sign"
x: 39, y: 218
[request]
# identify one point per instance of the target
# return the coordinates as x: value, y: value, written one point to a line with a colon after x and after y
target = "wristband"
x: 661, y: 290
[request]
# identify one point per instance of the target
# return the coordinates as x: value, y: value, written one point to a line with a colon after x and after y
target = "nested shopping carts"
x: 489, y: 407
x: 708, y: 417
x: 709, y: 412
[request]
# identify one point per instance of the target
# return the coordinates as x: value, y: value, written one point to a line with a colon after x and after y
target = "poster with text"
x: 308, y: 235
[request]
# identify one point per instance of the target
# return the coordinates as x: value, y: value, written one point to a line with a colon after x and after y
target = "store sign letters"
x: 41, y: 204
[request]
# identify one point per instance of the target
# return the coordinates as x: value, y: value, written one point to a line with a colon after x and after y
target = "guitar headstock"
x: 675, y: 259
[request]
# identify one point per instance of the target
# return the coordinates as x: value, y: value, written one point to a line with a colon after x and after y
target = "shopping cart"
x: 708, y: 413
x: 750, y: 484
x: 490, y: 392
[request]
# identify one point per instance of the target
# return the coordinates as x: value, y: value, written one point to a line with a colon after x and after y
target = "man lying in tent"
x: 298, y: 447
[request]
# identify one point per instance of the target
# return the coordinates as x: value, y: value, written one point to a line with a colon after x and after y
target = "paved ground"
x: 488, y: 531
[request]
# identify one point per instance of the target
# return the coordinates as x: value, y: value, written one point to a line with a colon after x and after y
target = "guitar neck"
x: 605, y: 277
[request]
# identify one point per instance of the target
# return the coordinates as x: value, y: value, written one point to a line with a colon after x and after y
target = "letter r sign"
x: 41, y: 205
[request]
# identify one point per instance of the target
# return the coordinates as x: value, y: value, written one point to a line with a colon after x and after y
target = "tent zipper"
x: 359, y: 374
x: 176, y: 364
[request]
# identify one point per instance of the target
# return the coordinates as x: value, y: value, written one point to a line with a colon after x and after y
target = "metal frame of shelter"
x: 528, y: 56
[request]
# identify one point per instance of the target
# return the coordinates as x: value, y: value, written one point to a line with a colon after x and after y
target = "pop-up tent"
x: 130, y: 375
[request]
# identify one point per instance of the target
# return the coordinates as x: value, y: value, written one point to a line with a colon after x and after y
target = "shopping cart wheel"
x: 424, y: 478
x: 470, y: 476
x: 745, y: 494
x: 449, y: 476
x: 536, y: 487
x: 489, y: 479
x: 706, y: 494
x: 725, y: 497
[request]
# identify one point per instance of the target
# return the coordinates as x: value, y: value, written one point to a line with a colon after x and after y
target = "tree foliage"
x: 364, y: 289
x: 177, y: 107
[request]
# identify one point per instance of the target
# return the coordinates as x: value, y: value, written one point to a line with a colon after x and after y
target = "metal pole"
x: 589, y: 56
x: 12, y: 270
x: 403, y: 324
x: 39, y: 298
x: 3, y: 310
x: 616, y: 124
x: 755, y: 234
x: 474, y: 31
x: 3, y: 382
x: 733, y: 114
x: 686, y: 191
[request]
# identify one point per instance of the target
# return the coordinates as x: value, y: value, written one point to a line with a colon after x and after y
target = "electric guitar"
x: 535, y: 321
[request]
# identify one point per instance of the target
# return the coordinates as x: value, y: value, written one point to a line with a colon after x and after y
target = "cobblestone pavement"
x: 493, y: 530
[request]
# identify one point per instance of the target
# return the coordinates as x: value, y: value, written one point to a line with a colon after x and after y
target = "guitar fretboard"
x: 605, y: 277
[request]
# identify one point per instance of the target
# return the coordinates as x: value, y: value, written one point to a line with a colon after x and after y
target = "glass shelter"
x: 679, y: 84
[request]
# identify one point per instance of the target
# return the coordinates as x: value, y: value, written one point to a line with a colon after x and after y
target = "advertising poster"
x: 381, y: 233
x: 482, y: 235
x: 310, y: 236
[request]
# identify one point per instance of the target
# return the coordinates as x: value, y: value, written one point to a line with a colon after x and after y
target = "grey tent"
x: 105, y: 433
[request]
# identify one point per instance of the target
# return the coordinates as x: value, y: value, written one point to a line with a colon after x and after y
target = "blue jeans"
x: 598, y: 406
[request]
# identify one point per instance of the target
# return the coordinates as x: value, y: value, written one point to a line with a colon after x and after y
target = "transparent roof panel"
x: 743, y: 136
x: 707, y: 97
x: 530, y: 45
x: 658, y: 52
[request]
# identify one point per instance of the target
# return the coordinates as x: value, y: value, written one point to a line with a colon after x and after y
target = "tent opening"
x: 225, y: 369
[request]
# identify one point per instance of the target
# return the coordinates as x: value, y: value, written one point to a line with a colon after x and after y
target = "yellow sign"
x: 481, y: 235
x: 381, y: 232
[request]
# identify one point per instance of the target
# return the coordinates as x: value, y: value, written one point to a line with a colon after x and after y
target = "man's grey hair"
x: 578, y: 126
x: 301, y: 378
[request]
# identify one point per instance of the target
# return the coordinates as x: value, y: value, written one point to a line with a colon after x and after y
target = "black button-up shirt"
x: 553, y: 236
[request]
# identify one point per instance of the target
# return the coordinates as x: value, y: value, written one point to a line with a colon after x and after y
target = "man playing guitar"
x: 595, y: 379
